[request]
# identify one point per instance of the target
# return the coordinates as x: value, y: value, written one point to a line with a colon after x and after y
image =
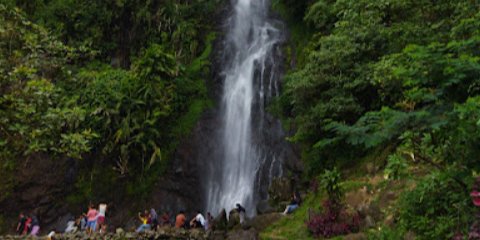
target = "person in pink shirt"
x: 91, y: 218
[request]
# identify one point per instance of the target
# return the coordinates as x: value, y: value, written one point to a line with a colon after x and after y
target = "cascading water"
x: 244, y: 165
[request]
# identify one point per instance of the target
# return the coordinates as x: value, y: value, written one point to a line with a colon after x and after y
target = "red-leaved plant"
x: 333, y: 221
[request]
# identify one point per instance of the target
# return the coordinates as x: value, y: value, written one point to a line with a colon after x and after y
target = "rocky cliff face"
x: 41, y: 184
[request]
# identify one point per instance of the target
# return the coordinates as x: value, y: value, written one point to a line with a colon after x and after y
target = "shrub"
x: 331, y: 182
x: 436, y: 209
x: 333, y: 221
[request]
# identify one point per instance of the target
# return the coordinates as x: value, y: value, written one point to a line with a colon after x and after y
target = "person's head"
x: 90, y: 206
x: 238, y: 205
x: 208, y: 214
x: 21, y: 215
x: 145, y: 212
x: 182, y: 212
x: 198, y: 212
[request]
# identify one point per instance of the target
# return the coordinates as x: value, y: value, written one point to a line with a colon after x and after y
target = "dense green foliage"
x: 378, y: 70
x: 112, y: 84
x: 395, y: 74
x: 435, y: 208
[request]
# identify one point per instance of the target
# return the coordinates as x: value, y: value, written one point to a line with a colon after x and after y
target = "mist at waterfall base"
x: 249, y: 152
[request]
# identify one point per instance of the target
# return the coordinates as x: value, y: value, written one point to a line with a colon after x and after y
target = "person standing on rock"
x: 241, y: 212
x: 154, y: 218
x: 21, y: 223
x: 180, y: 220
x: 102, y: 209
x: 91, y: 219
x: 28, y: 224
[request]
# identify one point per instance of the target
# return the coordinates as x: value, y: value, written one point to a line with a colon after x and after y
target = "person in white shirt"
x: 102, y: 209
x: 198, y: 221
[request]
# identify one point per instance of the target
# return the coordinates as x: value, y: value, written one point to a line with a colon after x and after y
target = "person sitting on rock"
x: 146, y: 221
x: 241, y: 212
x: 198, y: 221
x: 180, y: 220
x: 35, y: 225
x: 208, y: 221
x: 82, y: 222
x: 154, y: 218
x: 71, y: 228
x: 28, y: 225
x: 294, y: 204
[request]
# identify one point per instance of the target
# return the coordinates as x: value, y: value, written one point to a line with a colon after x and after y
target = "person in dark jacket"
x: 22, y: 220
x: 241, y: 212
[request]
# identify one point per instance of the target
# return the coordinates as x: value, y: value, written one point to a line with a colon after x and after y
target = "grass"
x: 293, y: 226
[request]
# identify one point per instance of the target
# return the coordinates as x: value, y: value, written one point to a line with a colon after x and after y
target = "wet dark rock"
x: 280, y: 190
x: 233, y: 219
x: 264, y: 207
x: 221, y: 222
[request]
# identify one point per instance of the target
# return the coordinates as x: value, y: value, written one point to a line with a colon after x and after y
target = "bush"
x: 333, y: 221
x: 331, y: 182
x: 436, y: 209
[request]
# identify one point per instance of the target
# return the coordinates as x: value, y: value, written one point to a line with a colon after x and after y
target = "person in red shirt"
x: 180, y: 220
x: 91, y: 218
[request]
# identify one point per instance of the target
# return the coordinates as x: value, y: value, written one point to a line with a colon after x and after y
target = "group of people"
x: 150, y: 221
x: 91, y: 221
x: 28, y: 224
x: 94, y: 219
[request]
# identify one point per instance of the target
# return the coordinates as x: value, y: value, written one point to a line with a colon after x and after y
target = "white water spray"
x: 250, y: 80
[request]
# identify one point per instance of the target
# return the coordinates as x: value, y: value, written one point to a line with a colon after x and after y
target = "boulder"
x: 119, y: 231
x: 233, y: 219
x: 280, y: 190
x: 220, y: 223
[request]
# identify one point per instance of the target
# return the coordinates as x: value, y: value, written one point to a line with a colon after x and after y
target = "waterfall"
x: 245, y: 164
